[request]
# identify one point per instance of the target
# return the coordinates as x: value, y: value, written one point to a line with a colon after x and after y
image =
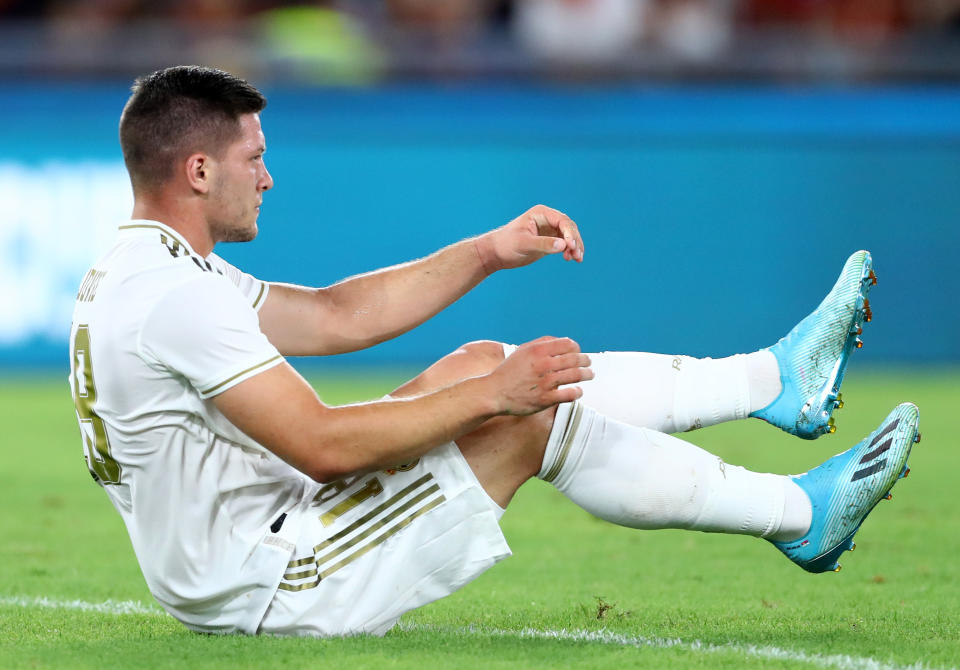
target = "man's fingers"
x: 572, y: 238
x: 542, y: 338
x: 553, y: 223
x: 566, y: 394
x: 557, y: 346
x: 547, y: 245
x: 569, y: 376
x: 573, y: 360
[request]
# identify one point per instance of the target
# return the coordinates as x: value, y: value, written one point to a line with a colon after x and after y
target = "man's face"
x: 239, y: 181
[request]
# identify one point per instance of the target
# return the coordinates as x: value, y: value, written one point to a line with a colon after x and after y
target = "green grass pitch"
x: 577, y: 593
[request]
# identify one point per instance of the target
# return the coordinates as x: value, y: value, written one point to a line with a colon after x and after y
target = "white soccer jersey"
x: 157, y: 332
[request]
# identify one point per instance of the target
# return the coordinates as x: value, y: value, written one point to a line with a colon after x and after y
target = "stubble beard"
x: 242, y: 227
x: 225, y: 232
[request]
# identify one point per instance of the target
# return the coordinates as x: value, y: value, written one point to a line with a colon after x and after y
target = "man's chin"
x: 238, y: 234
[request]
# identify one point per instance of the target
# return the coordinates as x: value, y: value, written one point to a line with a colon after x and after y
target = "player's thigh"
x: 380, y: 544
x: 470, y: 360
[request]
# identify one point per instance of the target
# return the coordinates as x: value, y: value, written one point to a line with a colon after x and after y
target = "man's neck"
x: 185, y: 220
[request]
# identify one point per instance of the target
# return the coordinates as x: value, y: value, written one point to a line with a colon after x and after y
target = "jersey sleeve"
x: 254, y: 289
x: 206, y: 331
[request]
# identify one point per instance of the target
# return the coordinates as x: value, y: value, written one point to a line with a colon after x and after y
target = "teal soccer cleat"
x: 846, y: 488
x: 813, y: 356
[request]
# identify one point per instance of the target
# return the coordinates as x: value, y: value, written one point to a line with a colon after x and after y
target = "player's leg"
x: 643, y: 479
x: 666, y: 393
x: 794, y: 385
x: 505, y: 451
x: 469, y: 360
x: 674, y: 394
x: 628, y: 475
x: 640, y: 478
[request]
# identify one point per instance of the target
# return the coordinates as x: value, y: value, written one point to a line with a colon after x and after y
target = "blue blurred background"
x: 722, y: 158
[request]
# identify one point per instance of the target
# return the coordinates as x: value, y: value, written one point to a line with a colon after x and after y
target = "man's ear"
x: 198, y: 169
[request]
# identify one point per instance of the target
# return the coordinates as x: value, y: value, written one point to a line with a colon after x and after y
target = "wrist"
x: 484, y: 395
x: 483, y: 245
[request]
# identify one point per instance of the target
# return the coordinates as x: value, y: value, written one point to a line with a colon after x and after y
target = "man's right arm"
x: 278, y: 409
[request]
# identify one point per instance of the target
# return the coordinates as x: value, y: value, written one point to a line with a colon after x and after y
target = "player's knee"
x: 470, y: 360
x: 485, y: 353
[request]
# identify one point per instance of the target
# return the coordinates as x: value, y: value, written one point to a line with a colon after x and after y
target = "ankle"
x: 763, y: 378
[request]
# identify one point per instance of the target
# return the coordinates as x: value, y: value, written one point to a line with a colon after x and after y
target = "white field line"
x: 839, y: 661
x: 106, y: 607
x: 766, y: 652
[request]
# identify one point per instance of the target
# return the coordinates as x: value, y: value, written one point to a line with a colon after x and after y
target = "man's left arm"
x: 364, y: 310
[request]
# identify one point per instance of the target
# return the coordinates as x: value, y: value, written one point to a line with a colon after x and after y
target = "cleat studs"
x: 859, y: 330
x: 889, y: 496
x: 873, y: 277
x: 853, y: 546
x: 867, y: 313
x: 906, y: 473
x: 832, y: 429
x: 837, y: 567
x: 916, y: 440
x: 859, y: 342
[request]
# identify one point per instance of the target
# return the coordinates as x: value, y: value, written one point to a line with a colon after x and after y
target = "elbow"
x: 324, y: 474
x: 328, y: 464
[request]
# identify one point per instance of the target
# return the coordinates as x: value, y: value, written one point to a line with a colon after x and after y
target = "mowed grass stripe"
x: 603, y: 637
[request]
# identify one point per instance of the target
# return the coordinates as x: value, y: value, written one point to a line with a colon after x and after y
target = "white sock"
x: 673, y: 394
x: 642, y: 478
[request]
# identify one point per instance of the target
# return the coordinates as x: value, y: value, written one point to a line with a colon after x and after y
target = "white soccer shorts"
x: 383, y: 544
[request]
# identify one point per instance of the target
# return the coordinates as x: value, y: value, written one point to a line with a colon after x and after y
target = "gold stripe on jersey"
x: 372, y: 513
x: 372, y: 488
x: 380, y: 539
x: 573, y: 422
x: 398, y: 505
x: 301, y: 575
x: 263, y: 287
x: 240, y: 374
x: 300, y: 562
x: 369, y: 546
x: 375, y: 526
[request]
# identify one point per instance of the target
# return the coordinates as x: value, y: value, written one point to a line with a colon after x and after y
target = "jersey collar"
x: 146, y: 227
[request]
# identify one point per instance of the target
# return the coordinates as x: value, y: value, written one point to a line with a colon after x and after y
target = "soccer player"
x: 253, y: 507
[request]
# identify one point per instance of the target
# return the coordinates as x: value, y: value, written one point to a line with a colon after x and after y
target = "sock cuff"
x: 560, y: 444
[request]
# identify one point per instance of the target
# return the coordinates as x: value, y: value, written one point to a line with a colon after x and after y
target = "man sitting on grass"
x: 253, y: 507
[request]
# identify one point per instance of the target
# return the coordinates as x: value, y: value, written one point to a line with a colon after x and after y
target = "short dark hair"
x: 177, y: 111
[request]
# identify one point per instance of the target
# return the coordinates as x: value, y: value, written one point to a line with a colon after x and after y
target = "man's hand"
x: 529, y: 380
x: 536, y: 233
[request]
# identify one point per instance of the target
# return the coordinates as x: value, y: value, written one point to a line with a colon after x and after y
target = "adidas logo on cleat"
x: 871, y: 455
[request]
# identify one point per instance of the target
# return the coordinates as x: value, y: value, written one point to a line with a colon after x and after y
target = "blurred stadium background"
x: 721, y: 156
